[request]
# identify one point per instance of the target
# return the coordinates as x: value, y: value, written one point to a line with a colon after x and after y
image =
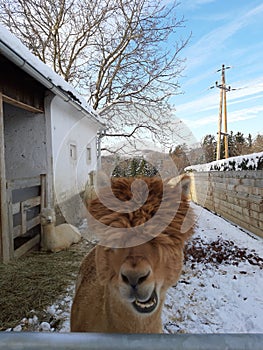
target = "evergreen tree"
x: 134, y: 167
x: 240, y: 143
x: 209, y: 148
x: 249, y: 141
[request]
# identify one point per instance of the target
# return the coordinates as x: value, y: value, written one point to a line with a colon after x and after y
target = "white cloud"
x: 233, y: 117
x: 245, y: 114
x: 211, y: 119
x: 253, y: 90
x: 197, y: 105
x: 251, y: 87
x: 245, y: 109
x: 245, y: 99
x: 193, y: 4
x: 214, y: 40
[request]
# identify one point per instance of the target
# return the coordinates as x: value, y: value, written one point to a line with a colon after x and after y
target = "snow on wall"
x: 252, y: 161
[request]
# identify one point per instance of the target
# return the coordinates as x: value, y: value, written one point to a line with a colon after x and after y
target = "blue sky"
x: 223, y: 32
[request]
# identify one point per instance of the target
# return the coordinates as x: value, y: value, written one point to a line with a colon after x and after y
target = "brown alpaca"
x: 122, y: 290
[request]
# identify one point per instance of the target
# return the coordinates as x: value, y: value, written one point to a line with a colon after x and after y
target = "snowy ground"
x: 220, y: 290
x: 223, y: 292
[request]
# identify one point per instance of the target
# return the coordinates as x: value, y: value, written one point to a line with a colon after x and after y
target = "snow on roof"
x: 19, y: 49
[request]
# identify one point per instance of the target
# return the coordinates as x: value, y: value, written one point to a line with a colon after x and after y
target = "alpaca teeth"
x: 151, y: 303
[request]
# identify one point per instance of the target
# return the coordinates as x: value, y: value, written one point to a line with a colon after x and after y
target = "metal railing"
x: 92, y: 341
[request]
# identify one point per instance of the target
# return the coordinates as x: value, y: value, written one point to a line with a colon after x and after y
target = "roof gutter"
x: 28, y: 68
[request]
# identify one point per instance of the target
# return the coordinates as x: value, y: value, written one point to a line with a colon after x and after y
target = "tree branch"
x: 129, y: 134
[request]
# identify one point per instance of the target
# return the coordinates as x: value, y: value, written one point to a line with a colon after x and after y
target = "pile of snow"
x: 53, y: 319
x: 252, y: 161
x: 220, y: 290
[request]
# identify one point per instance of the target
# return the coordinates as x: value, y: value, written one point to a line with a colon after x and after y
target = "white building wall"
x: 74, y: 156
x: 25, y: 143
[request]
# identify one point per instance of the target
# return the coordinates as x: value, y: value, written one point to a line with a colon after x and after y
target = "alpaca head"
x: 47, y: 216
x: 142, y: 227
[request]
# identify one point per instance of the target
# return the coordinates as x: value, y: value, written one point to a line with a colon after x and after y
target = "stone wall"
x: 235, y: 195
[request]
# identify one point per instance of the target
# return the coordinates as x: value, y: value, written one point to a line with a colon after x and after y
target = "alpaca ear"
x: 181, y: 186
x: 184, y: 181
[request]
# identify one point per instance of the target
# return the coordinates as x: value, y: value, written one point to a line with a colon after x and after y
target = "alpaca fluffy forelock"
x: 163, y: 211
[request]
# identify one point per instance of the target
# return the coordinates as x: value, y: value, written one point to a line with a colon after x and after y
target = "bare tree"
x: 257, y: 145
x: 116, y: 52
x: 59, y: 32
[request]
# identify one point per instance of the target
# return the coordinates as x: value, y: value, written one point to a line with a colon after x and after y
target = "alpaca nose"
x: 134, y: 278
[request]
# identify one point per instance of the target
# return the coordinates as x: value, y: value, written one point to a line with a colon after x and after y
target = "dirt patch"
x: 37, y: 280
x: 218, y: 252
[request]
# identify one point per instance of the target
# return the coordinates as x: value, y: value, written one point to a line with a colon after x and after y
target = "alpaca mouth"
x: 146, y: 306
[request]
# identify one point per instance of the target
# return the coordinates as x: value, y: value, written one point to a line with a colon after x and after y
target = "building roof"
x: 13, y: 49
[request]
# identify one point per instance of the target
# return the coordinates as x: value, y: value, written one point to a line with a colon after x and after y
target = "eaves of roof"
x: 17, y: 53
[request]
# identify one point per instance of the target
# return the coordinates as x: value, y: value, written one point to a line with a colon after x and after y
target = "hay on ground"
x: 36, y: 280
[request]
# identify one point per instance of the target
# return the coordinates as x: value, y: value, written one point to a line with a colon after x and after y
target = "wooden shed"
x: 38, y: 111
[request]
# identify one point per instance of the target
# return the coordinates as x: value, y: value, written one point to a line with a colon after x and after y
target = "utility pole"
x: 222, y: 106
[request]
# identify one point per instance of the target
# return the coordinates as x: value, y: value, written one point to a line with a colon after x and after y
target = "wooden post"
x: 218, y: 150
x: 223, y: 90
x: 225, y: 118
x: 4, y: 226
x: 43, y: 200
x: 9, y: 213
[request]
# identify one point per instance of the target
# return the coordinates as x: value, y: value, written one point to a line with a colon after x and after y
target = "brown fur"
x: 110, y: 279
